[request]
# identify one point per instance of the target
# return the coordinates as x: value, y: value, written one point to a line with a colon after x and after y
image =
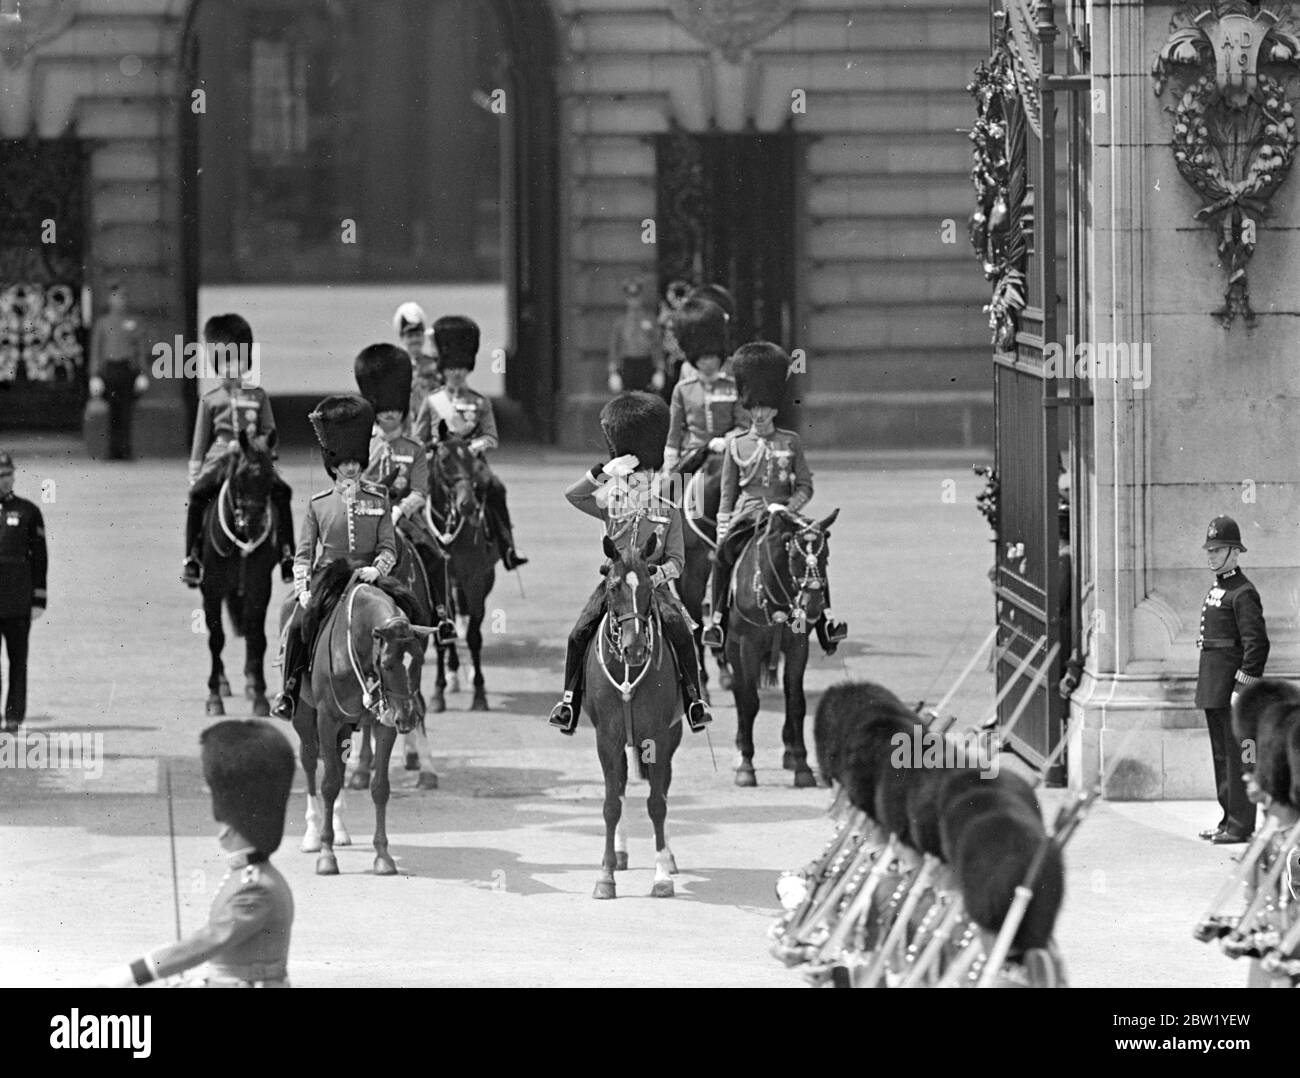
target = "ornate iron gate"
x: 43, y: 334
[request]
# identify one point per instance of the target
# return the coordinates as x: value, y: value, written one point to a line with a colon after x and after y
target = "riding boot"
x: 713, y: 636
x: 282, y: 502
x: 293, y: 663
x: 191, y: 568
x: 830, y: 633
x: 565, y: 714
x: 679, y: 637
x: 499, y: 514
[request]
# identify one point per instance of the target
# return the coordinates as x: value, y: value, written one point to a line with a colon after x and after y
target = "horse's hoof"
x: 662, y: 889
x: 223, y: 686
x: 427, y: 781
x: 384, y: 865
x: 604, y: 889
x: 261, y: 707
x: 438, y: 704
x: 804, y: 779
x: 620, y: 860
x: 479, y: 703
x: 327, y: 865
x: 360, y: 780
x: 787, y: 761
x: 745, y: 777
x: 214, y: 706
x: 310, y: 842
x: 412, y: 761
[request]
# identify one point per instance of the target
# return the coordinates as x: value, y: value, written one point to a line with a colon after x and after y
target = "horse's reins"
x: 369, y: 701
x: 810, y: 580
x: 245, y: 546
x: 611, y: 629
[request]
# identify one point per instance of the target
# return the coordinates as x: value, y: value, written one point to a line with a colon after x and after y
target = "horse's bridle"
x: 810, y: 541
x: 611, y: 633
x: 374, y: 694
x: 453, y: 520
x: 240, y: 525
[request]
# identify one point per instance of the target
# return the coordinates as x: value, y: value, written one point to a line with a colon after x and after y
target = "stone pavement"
x: 498, y: 864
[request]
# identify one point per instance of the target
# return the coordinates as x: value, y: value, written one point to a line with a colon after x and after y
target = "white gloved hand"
x: 623, y: 466
x: 396, y: 514
x: 115, y: 977
x: 717, y: 445
x: 304, y: 597
x: 776, y: 507
x: 141, y: 383
x: 615, y: 382
x: 97, y: 387
x: 658, y: 379
x: 369, y: 574
x: 38, y: 612
x: 1235, y: 697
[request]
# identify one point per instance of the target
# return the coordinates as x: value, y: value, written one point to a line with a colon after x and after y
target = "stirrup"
x: 191, y: 572
x: 697, y: 715
x: 712, y: 637
x: 511, y: 560
x: 445, y: 633
x: 563, y: 718
x: 283, y: 708
x: 837, y: 631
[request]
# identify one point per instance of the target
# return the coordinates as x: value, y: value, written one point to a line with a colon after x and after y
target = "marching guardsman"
x: 350, y: 522
x: 249, y: 767
x: 224, y: 412
x: 635, y: 426
x: 412, y: 328
x: 23, y: 563
x: 705, y: 406
x: 463, y: 412
x: 1233, y: 642
x: 763, y: 471
x: 397, y: 462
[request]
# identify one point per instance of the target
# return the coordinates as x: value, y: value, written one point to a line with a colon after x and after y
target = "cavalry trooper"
x: 224, y: 412
x: 397, y: 462
x: 635, y: 426
x: 1233, y: 642
x: 249, y: 767
x: 763, y: 470
x: 467, y: 414
x: 412, y: 328
x: 351, y: 523
x: 705, y: 406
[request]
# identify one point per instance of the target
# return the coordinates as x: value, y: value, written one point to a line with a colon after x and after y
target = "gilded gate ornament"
x: 1234, y: 128
x: 731, y: 26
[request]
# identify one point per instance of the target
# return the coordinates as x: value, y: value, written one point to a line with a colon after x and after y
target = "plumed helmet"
x: 715, y: 293
x: 456, y: 338
x: 343, y: 426
x: 760, y: 370
x: 1223, y: 531
x: 700, y: 327
x: 384, y: 375
x: 249, y: 765
x: 636, y: 423
x: 993, y: 858
x: 407, y: 317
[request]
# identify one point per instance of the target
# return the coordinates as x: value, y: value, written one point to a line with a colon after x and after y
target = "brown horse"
x: 777, y: 596
x: 366, y: 661
x: 632, y: 699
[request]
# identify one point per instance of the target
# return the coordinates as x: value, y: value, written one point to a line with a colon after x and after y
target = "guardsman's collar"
x: 246, y: 856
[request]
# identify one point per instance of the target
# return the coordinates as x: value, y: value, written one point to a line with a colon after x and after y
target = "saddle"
x: 331, y: 585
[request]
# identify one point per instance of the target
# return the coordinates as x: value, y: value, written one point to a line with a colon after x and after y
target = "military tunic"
x: 23, y: 558
x: 246, y: 939
x: 702, y: 411
x: 223, y: 413
x: 467, y: 414
x: 358, y: 528
x: 759, y: 470
x: 632, y: 513
x: 403, y: 459
x: 1233, y: 640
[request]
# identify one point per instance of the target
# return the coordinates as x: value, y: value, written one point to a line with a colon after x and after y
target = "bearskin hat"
x: 967, y: 794
x: 842, y: 705
x: 715, y: 293
x: 1255, y: 700
x: 384, y: 376
x: 407, y: 317
x: 760, y: 370
x: 869, y: 751
x: 993, y: 858
x: 456, y: 338
x: 248, y: 765
x: 700, y: 327
x: 343, y: 425
x: 893, y: 786
x: 923, y: 811
x: 228, y: 329
x: 1274, y: 739
x: 636, y: 423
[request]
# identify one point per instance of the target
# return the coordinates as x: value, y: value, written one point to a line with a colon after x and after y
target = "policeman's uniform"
x: 226, y: 412
x: 1233, y: 642
x: 23, y: 562
x: 632, y: 512
x: 249, y: 767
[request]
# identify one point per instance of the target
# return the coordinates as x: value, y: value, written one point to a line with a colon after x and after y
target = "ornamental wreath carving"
x: 1233, y: 66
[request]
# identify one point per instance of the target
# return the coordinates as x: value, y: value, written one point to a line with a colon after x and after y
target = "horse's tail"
x: 235, y: 607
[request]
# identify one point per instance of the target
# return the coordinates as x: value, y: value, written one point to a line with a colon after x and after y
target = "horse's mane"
x: 334, y: 581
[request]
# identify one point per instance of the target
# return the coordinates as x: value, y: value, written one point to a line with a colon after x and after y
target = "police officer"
x: 22, y: 585
x: 118, y: 348
x: 249, y: 767
x: 1233, y: 643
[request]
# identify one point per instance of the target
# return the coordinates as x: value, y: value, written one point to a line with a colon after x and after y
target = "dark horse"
x: 366, y: 662
x: 701, y: 494
x: 454, y: 513
x: 238, y: 557
x: 632, y: 699
x: 778, y: 595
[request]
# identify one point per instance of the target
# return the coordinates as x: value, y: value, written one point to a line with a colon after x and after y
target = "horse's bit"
x: 810, y: 542
x: 612, y: 629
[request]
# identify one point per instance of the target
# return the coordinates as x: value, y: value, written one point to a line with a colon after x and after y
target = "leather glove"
x: 369, y: 574
x: 621, y: 467
x: 97, y: 387
x: 141, y: 383
x: 38, y: 612
x: 615, y: 382
x: 304, y: 597
x: 717, y: 445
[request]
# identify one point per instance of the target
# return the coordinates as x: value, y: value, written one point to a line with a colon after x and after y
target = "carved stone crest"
x: 1234, y: 127
x: 731, y: 26
x: 24, y: 24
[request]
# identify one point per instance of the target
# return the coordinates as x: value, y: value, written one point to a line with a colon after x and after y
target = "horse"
x: 631, y: 698
x: 778, y: 593
x: 454, y: 514
x: 238, y: 558
x: 411, y: 572
x: 700, y: 501
x: 366, y: 661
